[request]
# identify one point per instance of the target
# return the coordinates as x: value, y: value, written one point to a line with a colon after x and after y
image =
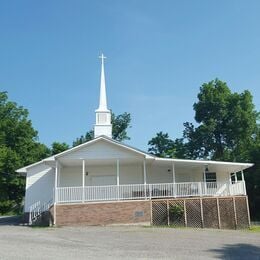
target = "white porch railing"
x: 147, y: 191
x: 36, y: 210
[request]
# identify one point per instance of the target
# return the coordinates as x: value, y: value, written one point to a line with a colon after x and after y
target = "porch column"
x: 55, y: 192
x: 117, y: 172
x: 58, y: 177
x: 243, y: 179
x: 230, y: 178
x: 235, y: 177
x: 144, y: 165
x: 174, y: 180
x: 205, y: 184
x: 83, y: 180
x: 173, y: 173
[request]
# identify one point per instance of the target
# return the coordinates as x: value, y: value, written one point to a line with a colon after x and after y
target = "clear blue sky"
x: 159, y: 53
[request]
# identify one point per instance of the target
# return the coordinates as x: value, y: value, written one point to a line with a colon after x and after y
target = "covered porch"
x: 82, y: 180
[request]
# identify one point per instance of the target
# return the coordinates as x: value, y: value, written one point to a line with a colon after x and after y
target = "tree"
x: 58, y: 147
x: 19, y: 146
x: 227, y: 123
x: 227, y: 130
x: 120, y: 124
x: 162, y: 146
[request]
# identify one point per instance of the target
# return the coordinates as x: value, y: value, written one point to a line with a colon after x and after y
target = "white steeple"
x: 103, y: 115
x: 103, y: 94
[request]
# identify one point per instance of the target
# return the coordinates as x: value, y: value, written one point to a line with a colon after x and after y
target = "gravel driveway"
x: 129, y: 242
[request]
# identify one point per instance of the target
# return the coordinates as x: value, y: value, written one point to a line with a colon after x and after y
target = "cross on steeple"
x: 102, y: 57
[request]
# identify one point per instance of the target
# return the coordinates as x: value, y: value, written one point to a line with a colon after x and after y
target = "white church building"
x: 104, y: 181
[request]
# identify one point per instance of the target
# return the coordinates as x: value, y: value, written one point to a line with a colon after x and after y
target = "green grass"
x: 255, y: 229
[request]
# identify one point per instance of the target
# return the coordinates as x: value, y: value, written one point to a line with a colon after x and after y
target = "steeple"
x: 103, y: 94
x: 103, y: 114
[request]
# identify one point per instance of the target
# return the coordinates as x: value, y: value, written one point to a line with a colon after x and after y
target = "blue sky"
x: 159, y: 53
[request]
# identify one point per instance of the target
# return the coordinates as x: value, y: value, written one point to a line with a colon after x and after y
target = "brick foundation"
x: 126, y: 212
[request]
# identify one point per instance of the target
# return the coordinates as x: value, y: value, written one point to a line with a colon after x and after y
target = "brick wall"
x: 126, y: 212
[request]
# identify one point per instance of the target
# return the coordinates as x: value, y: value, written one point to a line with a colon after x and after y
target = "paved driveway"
x: 129, y: 242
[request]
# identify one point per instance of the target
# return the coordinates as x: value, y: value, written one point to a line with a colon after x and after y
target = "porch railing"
x: 148, y: 191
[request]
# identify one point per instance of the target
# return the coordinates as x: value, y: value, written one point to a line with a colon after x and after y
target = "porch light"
x: 206, y: 168
x: 86, y: 173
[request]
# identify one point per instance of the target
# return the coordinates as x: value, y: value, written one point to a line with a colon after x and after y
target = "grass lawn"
x: 255, y: 229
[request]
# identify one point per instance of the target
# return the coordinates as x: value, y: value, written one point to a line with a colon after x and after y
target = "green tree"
x: 162, y: 146
x: 120, y: 124
x: 227, y: 130
x: 227, y: 123
x: 19, y: 146
x: 57, y: 147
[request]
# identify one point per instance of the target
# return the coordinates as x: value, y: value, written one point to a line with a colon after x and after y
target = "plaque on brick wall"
x: 139, y: 213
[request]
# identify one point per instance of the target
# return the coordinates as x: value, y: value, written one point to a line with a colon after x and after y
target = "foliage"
x: 252, y: 178
x: 227, y: 123
x: 19, y: 146
x: 58, y: 147
x: 162, y: 146
x: 176, y: 212
x: 120, y: 124
x: 226, y: 129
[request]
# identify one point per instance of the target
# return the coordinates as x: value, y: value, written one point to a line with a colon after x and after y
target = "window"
x: 211, y: 177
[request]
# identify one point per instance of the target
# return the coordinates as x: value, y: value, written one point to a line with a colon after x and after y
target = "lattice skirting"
x: 220, y: 212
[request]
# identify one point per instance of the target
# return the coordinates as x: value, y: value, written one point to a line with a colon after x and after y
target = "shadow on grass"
x: 238, y: 251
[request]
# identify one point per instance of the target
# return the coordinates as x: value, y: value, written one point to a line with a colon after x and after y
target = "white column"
x: 242, y: 175
x: 117, y: 172
x: 55, y: 192
x: 144, y: 165
x: 83, y: 180
x: 173, y: 173
x: 205, y: 184
x: 56, y: 180
x: 174, y: 180
x: 235, y: 177
x: 243, y: 179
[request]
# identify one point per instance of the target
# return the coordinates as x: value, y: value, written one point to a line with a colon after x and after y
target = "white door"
x: 103, y: 180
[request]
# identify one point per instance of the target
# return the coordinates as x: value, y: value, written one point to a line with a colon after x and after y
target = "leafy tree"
x: 120, y: 124
x: 19, y: 146
x: 58, y: 147
x: 227, y: 123
x: 227, y: 130
x: 162, y: 146
x: 84, y: 138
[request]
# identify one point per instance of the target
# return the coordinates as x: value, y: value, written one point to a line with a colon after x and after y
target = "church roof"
x: 234, y: 165
x: 78, y: 147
